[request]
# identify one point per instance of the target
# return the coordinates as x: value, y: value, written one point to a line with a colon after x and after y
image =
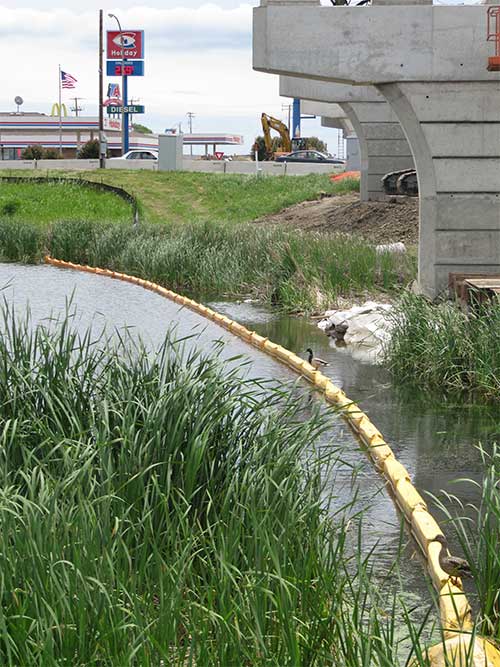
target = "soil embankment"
x: 376, y: 222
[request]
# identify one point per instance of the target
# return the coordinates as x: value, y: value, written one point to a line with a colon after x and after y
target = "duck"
x: 315, y: 362
x: 452, y: 565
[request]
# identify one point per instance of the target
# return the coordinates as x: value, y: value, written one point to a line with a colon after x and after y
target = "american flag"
x: 67, y: 81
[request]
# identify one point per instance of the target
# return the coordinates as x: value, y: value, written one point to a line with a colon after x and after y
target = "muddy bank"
x: 377, y: 222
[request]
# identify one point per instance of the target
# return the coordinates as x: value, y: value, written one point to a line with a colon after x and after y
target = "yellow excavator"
x: 269, y: 123
x: 287, y: 145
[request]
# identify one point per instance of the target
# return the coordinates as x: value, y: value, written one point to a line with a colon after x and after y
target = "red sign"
x: 219, y: 155
x: 131, y: 42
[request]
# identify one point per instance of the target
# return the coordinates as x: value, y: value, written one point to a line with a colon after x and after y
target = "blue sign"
x: 131, y: 67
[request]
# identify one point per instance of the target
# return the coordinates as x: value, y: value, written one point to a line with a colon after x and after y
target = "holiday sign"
x: 127, y: 44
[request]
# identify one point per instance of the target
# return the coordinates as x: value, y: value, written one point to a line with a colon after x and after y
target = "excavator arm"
x: 269, y: 123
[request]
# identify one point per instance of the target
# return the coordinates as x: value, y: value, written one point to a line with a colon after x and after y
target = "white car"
x: 138, y: 155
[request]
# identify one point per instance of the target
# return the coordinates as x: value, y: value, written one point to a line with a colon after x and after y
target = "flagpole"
x: 60, y: 114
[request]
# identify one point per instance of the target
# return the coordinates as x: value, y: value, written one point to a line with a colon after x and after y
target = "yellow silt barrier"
x: 241, y: 331
x: 424, y: 527
x: 257, y: 340
x: 320, y: 381
x: 408, y: 497
x: 271, y: 348
x: 395, y: 471
x: 282, y: 354
x: 379, y: 453
x: 455, y: 609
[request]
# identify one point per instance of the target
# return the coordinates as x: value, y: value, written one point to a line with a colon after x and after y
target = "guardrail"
x: 205, y: 166
x: 455, y: 611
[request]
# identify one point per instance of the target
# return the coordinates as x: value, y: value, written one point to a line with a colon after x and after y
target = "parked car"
x: 138, y: 155
x: 309, y: 156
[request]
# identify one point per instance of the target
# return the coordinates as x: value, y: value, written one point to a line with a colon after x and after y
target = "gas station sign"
x: 128, y: 44
x: 130, y: 68
x: 130, y: 108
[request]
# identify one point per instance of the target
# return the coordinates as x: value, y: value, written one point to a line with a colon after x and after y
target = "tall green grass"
x: 477, y: 526
x: 439, y: 347
x: 160, y: 510
x: 295, y: 270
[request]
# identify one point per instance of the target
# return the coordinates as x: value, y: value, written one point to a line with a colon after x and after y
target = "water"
x: 435, y: 441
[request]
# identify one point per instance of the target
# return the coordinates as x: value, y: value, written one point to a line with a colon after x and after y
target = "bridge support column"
x: 454, y: 133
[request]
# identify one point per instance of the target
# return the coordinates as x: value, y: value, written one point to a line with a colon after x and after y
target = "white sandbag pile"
x: 366, y: 326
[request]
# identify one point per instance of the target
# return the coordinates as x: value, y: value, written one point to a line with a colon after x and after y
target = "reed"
x: 477, y: 527
x: 161, y: 510
x: 297, y: 271
x: 442, y: 348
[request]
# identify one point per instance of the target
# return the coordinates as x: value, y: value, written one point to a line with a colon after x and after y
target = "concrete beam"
x: 375, y: 44
x: 322, y: 109
x: 327, y: 91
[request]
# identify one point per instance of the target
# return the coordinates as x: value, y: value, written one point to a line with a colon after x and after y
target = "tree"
x: 32, y: 153
x: 260, y: 146
x: 89, y: 151
x: 51, y: 154
x: 315, y: 144
x: 142, y: 129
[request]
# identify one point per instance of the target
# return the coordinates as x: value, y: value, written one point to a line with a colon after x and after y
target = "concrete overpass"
x: 430, y: 64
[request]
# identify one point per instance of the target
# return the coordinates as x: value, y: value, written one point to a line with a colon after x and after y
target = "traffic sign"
x: 130, y: 68
x: 219, y: 155
x: 131, y: 42
x: 131, y: 108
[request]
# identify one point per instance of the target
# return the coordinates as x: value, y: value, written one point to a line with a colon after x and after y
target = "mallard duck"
x: 452, y: 565
x: 316, y: 362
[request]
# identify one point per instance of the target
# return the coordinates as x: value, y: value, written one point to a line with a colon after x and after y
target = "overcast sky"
x: 198, y: 58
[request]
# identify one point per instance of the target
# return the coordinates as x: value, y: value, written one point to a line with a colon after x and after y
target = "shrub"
x: 32, y: 153
x: 89, y: 151
x: 51, y: 154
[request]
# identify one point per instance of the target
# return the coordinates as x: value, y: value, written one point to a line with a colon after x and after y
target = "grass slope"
x: 44, y: 204
x: 194, y: 197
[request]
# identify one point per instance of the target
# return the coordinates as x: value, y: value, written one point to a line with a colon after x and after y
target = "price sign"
x: 130, y: 68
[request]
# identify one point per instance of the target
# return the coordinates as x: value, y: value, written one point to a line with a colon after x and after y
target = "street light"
x: 112, y: 16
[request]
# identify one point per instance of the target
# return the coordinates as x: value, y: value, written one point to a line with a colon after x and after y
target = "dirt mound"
x: 377, y: 222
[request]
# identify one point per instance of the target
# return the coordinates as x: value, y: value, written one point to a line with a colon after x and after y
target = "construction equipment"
x: 401, y: 183
x: 287, y: 145
x: 269, y: 123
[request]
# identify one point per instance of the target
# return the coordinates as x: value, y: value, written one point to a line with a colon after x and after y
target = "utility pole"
x: 288, y: 109
x: 76, y: 108
x: 102, y: 153
x: 133, y: 100
x: 190, y: 116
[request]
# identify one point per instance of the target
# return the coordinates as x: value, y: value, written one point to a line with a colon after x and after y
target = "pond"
x: 435, y: 440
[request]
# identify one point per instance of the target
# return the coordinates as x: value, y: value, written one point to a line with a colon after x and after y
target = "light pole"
x: 124, y: 97
x: 190, y: 116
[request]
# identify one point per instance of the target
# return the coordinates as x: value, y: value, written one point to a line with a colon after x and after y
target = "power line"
x: 76, y: 108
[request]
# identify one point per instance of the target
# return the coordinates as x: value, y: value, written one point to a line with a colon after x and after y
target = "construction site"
x: 419, y: 84
x: 249, y: 407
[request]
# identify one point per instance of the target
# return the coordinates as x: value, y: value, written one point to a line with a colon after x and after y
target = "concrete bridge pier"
x: 383, y: 145
x: 454, y: 132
